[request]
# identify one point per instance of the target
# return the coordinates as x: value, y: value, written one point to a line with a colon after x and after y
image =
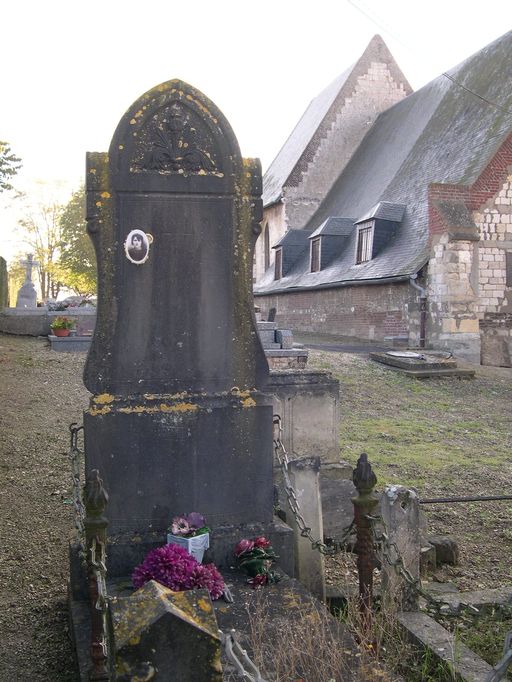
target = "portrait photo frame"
x: 136, y: 246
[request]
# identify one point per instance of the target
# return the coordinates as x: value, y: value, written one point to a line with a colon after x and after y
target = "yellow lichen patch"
x: 179, y: 407
x: 106, y: 195
x: 204, y: 605
x: 104, y: 399
x: 139, y: 113
x: 93, y: 171
x: 98, y: 204
x: 133, y: 121
x: 94, y: 411
x: 248, y: 402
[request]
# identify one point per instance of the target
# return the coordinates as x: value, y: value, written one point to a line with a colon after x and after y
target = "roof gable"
x: 295, y: 147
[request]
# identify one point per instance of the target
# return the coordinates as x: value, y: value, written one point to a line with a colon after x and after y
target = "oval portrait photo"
x: 136, y: 247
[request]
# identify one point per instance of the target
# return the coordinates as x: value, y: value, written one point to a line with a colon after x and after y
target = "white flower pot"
x: 195, y: 546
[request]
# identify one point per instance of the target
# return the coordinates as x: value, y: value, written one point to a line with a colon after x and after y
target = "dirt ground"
x: 446, y: 437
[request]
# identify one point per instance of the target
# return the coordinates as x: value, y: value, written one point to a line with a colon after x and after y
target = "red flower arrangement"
x: 255, y: 557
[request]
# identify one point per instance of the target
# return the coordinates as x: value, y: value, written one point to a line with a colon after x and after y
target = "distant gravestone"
x: 27, y: 295
x: 4, y: 286
x: 177, y: 422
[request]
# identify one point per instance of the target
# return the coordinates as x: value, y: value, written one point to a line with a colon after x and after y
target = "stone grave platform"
x: 280, y: 605
x: 422, y: 365
x: 70, y: 344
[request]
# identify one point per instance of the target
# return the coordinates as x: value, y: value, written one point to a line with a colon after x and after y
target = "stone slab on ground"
x: 481, y: 599
x: 427, y: 633
x: 422, y: 367
x: 70, y: 344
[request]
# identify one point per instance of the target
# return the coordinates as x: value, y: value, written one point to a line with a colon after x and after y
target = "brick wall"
x: 369, y: 312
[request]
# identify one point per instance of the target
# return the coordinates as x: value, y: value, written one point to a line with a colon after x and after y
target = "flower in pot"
x: 191, y: 532
x: 61, y: 326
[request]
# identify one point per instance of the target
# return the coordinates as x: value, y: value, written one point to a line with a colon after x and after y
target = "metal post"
x: 95, y: 524
x: 364, y: 504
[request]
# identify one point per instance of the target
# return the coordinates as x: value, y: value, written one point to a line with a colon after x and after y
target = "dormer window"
x: 364, y: 242
x: 278, y: 263
x: 315, y: 255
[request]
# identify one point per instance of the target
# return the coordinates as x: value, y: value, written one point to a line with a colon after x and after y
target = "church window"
x: 364, y: 242
x: 278, y: 264
x: 315, y: 254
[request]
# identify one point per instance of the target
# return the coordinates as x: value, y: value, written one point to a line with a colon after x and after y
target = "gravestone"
x: 27, y: 295
x: 178, y: 421
x: 4, y: 284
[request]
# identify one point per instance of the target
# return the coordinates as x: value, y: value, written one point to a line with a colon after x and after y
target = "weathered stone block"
x: 165, y: 634
x: 447, y: 550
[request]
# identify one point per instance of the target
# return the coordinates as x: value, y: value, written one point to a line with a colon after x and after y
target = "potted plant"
x: 191, y: 532
x: 61, y: 326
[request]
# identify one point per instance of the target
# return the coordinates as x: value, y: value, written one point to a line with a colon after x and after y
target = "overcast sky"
x: 71, y: 68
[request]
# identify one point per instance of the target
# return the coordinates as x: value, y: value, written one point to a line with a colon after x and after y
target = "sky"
x: 70, y: 69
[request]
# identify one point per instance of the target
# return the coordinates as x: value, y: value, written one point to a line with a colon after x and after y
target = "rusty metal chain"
x: 75, y: 457
x: 238, y: 656
x: 391, y: 554
x: 305, y: 530
x: 500, y: 669
x: 99, y: 569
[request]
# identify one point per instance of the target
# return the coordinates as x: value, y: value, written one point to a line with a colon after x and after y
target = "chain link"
x: 74, y: 457
x: 99, y: 570
x: 238, y: 656
x: 305, y: 530
x: 391, y: 554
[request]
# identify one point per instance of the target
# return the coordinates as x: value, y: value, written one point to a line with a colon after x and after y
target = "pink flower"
x: 258, y: 580
x: 180, y: 526
x: 262, y: 542
x: 244, y: 546
x: 175, y: 568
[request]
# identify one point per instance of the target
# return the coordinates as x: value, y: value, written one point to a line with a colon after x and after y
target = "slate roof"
x: 384, y: 210
x: 284, y: 163
x: 446, y: 132
x: 335, y: 226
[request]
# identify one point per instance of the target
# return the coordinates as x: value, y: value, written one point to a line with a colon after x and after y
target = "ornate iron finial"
x: 96, y: 497
x: 363, y: 477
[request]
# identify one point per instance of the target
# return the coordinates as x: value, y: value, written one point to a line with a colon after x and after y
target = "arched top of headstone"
x: 173, y: 138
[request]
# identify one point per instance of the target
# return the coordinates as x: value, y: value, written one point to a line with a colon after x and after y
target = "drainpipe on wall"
x: 423, y: 309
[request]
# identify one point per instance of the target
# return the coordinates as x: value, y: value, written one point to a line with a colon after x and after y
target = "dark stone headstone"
x: 177, y: 422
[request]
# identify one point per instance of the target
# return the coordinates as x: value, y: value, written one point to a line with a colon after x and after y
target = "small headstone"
x: 27, y: 295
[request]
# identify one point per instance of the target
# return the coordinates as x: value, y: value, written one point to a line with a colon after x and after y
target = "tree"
x: 77, y: 260
x: 42, y: 234
x: 9, y: 166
